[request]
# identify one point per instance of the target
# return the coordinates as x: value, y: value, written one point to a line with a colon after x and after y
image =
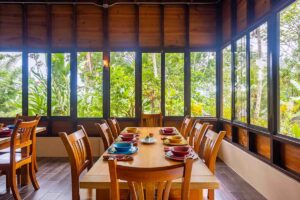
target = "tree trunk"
x: 260, y: 77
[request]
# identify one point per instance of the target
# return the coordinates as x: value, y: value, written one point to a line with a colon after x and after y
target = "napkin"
x: 119, y: 157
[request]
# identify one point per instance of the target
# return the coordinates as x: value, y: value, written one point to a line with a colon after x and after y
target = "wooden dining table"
x: 5, y: 143
x: 148, y: 156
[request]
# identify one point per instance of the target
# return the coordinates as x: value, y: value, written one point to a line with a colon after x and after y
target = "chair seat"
x: 175, y: 194
x: 5, y: 158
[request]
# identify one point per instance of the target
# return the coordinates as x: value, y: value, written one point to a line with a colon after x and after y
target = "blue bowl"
x: 122, y: 146
x: 11, y: 126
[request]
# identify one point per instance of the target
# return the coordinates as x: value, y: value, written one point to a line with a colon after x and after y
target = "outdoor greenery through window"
x: 89, y: 84
x: 60, y: 85
x: 122, y: 84
x: 227, y: 86
x: 290, y: 70
x: 203, y: 84
x: 259, y: 76
x: 37, y: 84
x: 174, y: 84
x: 151, y: 79
x: 240, y: 81
x: 10, y: 83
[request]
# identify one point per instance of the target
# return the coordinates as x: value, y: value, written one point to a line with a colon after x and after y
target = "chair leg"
x: 35, y: 165
x: 33, y: 176
x: 13, y: 186
x: 211, y: 194
x: 7, y: 184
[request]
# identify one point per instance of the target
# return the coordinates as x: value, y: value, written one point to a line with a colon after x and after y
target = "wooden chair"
x: 80, y: 156
x: 137, y: 178
x: 211, y: 145
x: 114, y: 127
x: 197, y: 133
x: 22, y: 138
x: 186, y: 126
x: 26, y: 118
x: 105, y: 134
x: 151, y: 120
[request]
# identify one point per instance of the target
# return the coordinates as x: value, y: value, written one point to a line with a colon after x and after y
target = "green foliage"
x: 259, y: 76
x: 122, y: 84
x: 241, y: 83
x: 151, y: 79
x: 203, y: 84
x: 89, y: 84
x: 226, y: 110
x: 60, y: 89
x: 37, y: 84
x: 290, y: 71
x: 174, y: 76
x: 10, y: 84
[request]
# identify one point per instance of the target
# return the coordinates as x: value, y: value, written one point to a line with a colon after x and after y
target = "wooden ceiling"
x: 110, y: 2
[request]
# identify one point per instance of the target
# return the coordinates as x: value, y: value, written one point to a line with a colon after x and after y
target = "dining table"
x: 148, y: 156
x: 5, y: 143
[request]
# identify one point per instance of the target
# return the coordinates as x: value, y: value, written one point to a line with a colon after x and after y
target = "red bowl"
x: 180, y: 150
x: 168, y: 130
x: 127, y: 137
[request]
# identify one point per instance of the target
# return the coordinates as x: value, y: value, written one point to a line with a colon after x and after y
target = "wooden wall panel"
x: 11, y: 25
x: 228, y: 129
x: 61, y: 126
x: 89, y: 26
x: 290, y: 156
x: 202, y: 31
x: 122, y: 26
x: 241, y: 15
x: 261, y: 7
x: 37, y: 22
x: 174, y: 26
x: 262, y: 146
x: 149, y: 26
x: 62, y: 23
x: 226, y: 20
x: 243, y: 137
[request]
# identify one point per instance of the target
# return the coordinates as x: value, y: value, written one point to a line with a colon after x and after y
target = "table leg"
x: 102, y: 194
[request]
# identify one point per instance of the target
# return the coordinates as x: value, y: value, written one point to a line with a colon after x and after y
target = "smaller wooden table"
x: 5, y: 141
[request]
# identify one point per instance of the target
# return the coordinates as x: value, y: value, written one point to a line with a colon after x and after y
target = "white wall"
x: 54, y: 147
x: 268, y: 181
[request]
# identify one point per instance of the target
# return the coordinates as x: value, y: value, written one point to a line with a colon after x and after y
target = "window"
x: 241, y: 81
x: 151, y: 79
x: 289, y: 71
x: 60, y: 86
x: 89, y: 84
x: 203, y: 84
x: 37, y: 84
x: 227, y: 86
x: 122, y: 84
x: 259, y: 76
x: 174, y: 84
x: 10, y: 83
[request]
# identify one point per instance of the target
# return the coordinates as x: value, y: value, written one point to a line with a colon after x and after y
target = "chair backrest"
x: 186, y: 126
x: 80, y: 156
x: 105, y: 133
x: 197, y: 133
x: 22, y: 138
x: 155, y: 178
x: 151, y: 120
x: 26, y: 118
x: 211, y: 145
x: 114, y: 126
